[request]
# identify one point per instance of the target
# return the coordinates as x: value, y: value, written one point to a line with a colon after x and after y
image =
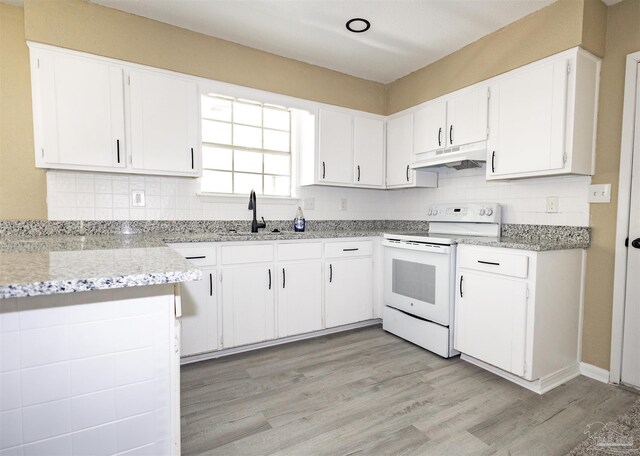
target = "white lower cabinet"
x: 299, y: 298
x: 348, y: 291
x: 517, y: 313
x: 200, y: 315
x: 247, y: 304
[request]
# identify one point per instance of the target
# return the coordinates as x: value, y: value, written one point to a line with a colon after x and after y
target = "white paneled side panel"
x: 87, y: 372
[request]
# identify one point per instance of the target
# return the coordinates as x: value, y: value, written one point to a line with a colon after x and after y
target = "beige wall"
x: 623, y: 38
x: 83, y: 26
x: 558, y: 27
x: 22, y: 186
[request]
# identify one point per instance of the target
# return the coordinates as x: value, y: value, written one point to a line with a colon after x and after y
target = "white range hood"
x: 458, y: 157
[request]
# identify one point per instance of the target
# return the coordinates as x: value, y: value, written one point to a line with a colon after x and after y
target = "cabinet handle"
x: 358, y: 173
x: 439, y: 136
x: 489, y: 262
x: 493, y: 162
x: 407, y: 173
x: 210, y: 284
x: 461, y: 279
x: 350, y: 250
x: 192, y: 163
x: 118, y: 149
x: 330, y: 273
x: 284, y: 278
x: 451, y: 134
x: 324, y: 170
x: 195, y: 257
x: 269, y: 278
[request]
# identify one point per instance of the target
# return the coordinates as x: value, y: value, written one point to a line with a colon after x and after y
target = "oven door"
x: 418, y: 279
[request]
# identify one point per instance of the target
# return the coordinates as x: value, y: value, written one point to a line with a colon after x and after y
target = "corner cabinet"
x: 97, y: 114
x: 517, y: 313
x: 543, y: 118
x: 349, y: 151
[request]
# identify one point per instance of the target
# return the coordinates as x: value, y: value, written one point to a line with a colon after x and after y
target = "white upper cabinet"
x: 335, y: 147
x: 453, y: 120
x: 543, y: 118
x: 164, y: 123
x: 368, y: 151
x: 350, y: 150
x: 429, y: 127
x: 78, y: 106
x: 400, y: 154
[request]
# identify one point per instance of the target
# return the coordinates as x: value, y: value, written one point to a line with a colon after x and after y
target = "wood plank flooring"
x: 369, y: 392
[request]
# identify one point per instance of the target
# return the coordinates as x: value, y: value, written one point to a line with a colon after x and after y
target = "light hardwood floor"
x: 369, y: 392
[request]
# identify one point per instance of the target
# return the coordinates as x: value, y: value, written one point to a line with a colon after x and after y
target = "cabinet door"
x: 164, y: 124
x: 348, y: 291
x: 199, y: 315
x: 368, y: 151
x: 400, y: 151
x: 529, y: 120
x: 80, y: 119
x: 491, y: 320
x: 429, y: 125
x: 247, y: 305
x: 467, y: 117
x: 299, y: 298
x: 335, y: 145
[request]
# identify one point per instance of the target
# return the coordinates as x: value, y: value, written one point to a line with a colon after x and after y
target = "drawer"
x: 495, y: 261
x: 348, y: 249
x: 255, y: 253
x: 300, y: 251
x: 199, y: 253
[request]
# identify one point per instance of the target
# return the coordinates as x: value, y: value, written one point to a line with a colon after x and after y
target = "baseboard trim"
x: 540, y: 386
x: 274, y: 342
x: 594, y: 372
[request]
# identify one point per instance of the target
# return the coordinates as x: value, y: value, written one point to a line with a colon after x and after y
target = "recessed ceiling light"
x: 358, y: 25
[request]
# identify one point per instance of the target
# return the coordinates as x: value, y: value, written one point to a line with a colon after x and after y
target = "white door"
x: 164, y: 123
x: 429, y: 125
x: 530, y: 121
x: 631, y: 340
x: 467, y: 117
x: 248, y: 313
x: 82, y: 111
x: 335, y: 145
x: 368, y: 151
x: 199, y: 315
x: 491, y: 319
x: 299, y: 298
x: 400, y: 151
x: 348, y: 291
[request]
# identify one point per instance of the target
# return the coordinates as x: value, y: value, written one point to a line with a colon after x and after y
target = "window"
x: 245, y: 146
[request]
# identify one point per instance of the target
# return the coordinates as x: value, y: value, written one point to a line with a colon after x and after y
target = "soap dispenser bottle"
x: 298, y: 222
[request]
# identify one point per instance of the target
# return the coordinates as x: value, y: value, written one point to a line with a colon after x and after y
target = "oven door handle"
x: 445, y: 249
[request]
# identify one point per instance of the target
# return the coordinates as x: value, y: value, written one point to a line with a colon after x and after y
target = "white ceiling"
x: 405, y: 35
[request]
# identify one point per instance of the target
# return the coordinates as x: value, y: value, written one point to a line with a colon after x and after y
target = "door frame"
x: 622, y: 222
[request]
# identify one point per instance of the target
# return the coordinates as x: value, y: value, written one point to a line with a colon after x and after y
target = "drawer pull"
x: 350, y: 250
x: 489, y: 262
x: 196, y: 257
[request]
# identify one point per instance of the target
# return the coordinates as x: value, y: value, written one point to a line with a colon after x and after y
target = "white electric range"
x: 419, y: 273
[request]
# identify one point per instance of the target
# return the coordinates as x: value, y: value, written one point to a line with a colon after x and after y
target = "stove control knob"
x: 430, y: 212
x: 481, y: 211
x: 435, y: 212
x: 489, y: 211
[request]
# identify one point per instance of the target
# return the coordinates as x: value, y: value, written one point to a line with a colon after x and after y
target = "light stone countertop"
x: 46, y: 265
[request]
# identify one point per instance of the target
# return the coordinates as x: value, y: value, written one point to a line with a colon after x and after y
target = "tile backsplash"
x: 103, y: 196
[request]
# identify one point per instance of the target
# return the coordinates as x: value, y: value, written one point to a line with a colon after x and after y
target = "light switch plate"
x: 309, y: 204
x: 137, y: 198
x: 600, y: 193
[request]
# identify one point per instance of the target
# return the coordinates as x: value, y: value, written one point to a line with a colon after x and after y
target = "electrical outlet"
x: 552, y: 204
x: 309, y: 204
x: 343, y: 204
x: 137, y: 198
x: 600, y: 193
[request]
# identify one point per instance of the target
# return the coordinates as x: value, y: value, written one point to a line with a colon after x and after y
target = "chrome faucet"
x: 253, y: 204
